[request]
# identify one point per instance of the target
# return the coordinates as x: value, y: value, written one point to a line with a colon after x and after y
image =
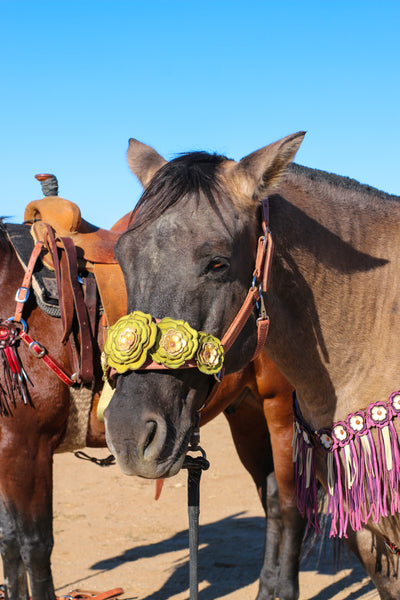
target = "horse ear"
x: 143, y: 161
x: 263, y: 169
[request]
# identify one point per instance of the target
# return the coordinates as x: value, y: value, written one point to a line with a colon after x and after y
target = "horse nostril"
x: 151, y: 430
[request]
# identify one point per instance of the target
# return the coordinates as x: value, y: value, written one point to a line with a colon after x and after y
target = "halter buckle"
x: 261, y: 306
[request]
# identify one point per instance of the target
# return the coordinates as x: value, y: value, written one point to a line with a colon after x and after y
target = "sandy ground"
x: 110, y: 532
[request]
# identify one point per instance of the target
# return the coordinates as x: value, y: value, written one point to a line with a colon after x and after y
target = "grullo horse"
x: 193, y: 263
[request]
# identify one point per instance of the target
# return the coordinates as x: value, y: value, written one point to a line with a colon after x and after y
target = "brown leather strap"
x: 40, y: 352
x: 262, y: 332
x: 86, y: 594
x: 239, y: 321
x: 255, y: 294
x: 269, y: 251
x: 86, y: 350
x: 90, y: 297
x: 23, y: 292
x: 65, y: 309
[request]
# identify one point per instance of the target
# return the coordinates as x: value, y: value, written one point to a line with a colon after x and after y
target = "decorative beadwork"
x: 170, y: 342
x: 363, y: 471
x: 15, y: 379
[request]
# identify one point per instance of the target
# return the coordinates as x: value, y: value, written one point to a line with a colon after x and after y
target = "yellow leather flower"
x: 129, y: 340
x: 210, y: 354
x: 176, y: 343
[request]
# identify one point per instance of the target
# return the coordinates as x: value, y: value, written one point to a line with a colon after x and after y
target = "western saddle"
x: 82, y: 257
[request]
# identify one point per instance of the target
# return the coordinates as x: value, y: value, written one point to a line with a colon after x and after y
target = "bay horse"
x: 34, y: 426
x: 191, y: 262
x: 261, y: 422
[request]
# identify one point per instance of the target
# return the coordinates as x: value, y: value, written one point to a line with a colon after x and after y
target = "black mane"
x: 190, y: 173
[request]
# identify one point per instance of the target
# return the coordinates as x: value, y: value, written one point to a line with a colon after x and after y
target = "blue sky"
x: 79, y: 78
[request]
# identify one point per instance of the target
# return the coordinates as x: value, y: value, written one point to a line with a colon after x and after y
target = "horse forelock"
x: 192, y: 173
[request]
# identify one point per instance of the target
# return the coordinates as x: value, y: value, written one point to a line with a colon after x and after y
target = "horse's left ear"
x: 143, y: 161
x: 263, y: 169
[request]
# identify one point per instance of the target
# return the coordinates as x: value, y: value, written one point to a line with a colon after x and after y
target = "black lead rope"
x: 194, y: 465
x: 101, y: 462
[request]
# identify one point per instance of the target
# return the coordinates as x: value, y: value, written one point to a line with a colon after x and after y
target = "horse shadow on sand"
x: 230, y: 558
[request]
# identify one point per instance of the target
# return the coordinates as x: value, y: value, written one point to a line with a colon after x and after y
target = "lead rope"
x: 195, y: 466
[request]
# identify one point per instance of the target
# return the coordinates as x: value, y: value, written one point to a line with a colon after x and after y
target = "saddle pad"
x: 43, y: 280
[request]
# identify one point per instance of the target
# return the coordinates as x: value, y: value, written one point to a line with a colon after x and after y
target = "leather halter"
x: 255, y: 297
x: 259, y: 287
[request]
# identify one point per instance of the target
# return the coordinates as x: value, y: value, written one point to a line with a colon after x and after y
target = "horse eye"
x: 217, y: 265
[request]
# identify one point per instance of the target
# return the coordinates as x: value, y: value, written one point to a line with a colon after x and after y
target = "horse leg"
x: 382, y: 566
x: 26, y: 519
x: 15, y: 580
x: 269, y: 575
x: 279, y: 416
x: 251, y: 438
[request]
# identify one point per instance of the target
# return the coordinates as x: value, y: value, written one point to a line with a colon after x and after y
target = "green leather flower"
x: 210, y: 354
x: 176, y: 343
x: 129, y: 340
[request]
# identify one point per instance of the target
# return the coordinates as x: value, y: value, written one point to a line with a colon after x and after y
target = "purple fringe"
x: 306, y: 495
x: 363, y: 472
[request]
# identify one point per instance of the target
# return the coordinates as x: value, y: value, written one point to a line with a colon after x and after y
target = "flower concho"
x: 136, y: 339
x: 363, y: 470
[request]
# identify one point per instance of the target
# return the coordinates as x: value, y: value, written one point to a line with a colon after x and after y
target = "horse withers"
x: 332, y: 299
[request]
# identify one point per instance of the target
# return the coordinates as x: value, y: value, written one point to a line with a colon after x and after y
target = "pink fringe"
x: 363, y: 473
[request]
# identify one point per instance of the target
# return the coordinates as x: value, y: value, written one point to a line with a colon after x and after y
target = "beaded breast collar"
x: 363, y: 473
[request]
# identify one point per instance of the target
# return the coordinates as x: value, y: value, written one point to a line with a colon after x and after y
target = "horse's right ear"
x: 143, y: 161
x: 262, y: 170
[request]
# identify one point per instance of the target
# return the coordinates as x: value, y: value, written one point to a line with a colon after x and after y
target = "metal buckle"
x: 25, y: 290
x: 261, y: 306
x: 42, y: 349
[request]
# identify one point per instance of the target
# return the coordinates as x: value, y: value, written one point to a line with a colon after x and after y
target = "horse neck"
x: 333, y: 294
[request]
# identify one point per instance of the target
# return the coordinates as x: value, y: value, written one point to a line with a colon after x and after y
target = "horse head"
x: 188, y: 260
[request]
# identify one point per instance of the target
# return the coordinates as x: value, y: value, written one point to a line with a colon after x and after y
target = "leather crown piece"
x: 136, y: 338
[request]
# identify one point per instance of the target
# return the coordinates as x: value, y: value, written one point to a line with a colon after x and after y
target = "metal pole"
x: 194, y: 466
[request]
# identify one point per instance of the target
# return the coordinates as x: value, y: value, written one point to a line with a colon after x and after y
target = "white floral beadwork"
x: 326, y: 440
x: 378, y: 413
x: 396, y: 402
x: 340, y: 433
x: 357, y: 422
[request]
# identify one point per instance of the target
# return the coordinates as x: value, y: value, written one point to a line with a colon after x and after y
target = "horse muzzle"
x: 147, y: 444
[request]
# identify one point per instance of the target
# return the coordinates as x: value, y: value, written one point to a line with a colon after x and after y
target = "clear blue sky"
x: 79, y: 78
